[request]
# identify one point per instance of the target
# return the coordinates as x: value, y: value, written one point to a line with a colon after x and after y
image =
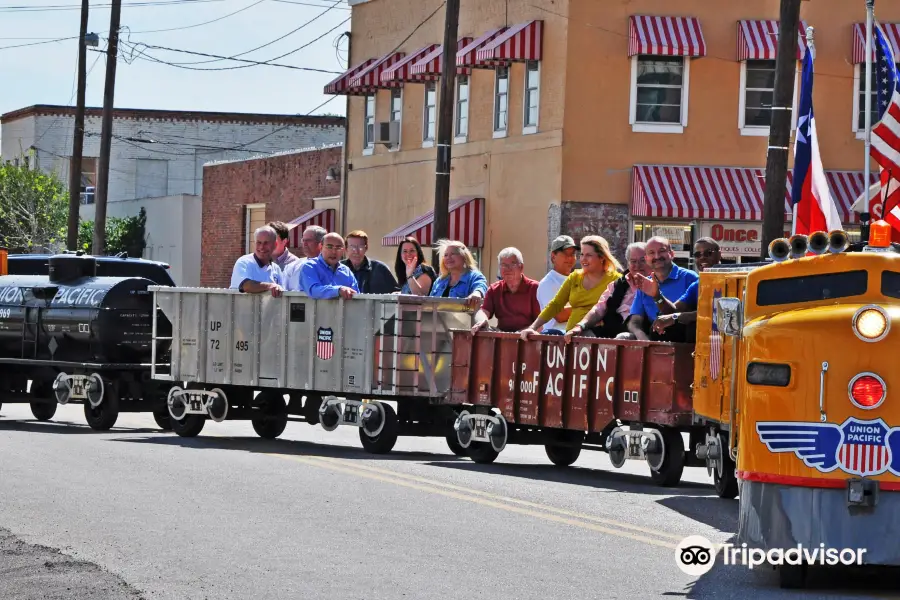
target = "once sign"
x: 735, y: 239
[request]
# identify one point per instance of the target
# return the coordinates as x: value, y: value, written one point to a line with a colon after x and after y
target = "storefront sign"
x: 735, y: 239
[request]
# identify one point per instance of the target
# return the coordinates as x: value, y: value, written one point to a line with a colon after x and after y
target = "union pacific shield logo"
x: 715, y: 341
x: 857, y: 447
x: 865, y: 450
x: 325, y: 343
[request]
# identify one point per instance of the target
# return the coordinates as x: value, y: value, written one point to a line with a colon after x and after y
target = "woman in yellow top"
x: 583, y: 288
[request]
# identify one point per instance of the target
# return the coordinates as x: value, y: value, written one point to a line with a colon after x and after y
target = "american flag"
x: 715, y: 342
x: 325, y: 343
x: 885, y: 148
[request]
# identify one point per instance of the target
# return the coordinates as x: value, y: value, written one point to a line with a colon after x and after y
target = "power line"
x: 231, y: 14
x: 308, y: 4
x: 50, y: 41
x: 61, y: 7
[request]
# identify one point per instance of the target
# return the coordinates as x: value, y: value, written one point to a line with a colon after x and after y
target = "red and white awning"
x: 323, y: 217
x: 725, y: 193
x: 369, y: 79
x: 430, y: 67
x: 665, y: 36
x: 340, y: 85
x: 400, y: 71
x: 466, y: 225
x: 522, y: 42
x: 891, y: 31
x: 758, y: 40
x: 467, y: 56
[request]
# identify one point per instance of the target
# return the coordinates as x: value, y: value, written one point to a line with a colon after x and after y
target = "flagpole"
x: 870, y: 21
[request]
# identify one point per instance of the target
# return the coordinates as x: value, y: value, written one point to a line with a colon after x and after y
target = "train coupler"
x: 634, y: 444
x: 365, y: 414
x: 88, y: 388
x: 212, y: 403
x: 490, y: 429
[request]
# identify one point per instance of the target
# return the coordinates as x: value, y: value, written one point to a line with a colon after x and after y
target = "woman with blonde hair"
x: 581, y: 289
x: 459, y: 277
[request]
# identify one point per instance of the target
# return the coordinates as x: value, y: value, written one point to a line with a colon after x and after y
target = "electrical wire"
x: 308, y: 4
x: 50, y: 41
x: 231, y: 14
x: 61, y: 7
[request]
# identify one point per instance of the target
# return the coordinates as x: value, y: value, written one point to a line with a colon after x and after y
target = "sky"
x: 44, y: 73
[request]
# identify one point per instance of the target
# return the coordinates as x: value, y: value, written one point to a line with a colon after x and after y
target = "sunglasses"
x: 704, y: 254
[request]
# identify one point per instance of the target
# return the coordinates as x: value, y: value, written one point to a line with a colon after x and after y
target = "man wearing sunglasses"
x: 684, y: 309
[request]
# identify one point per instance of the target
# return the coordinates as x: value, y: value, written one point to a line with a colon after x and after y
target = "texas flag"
x: 814, y: 208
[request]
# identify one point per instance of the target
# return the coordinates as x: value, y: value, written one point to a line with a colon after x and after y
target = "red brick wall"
x: 286, y: 184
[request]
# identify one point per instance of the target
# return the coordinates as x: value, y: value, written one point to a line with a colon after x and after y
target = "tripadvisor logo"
x: 695, y: 555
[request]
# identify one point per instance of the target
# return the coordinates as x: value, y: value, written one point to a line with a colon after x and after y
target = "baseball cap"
x: 561, y: 243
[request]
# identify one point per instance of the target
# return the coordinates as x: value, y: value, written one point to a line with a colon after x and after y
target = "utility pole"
x: 78, y: 137
x: 106, y: 131
x: 441, y: 227
x: 344, y: 154
x: 780, y: 129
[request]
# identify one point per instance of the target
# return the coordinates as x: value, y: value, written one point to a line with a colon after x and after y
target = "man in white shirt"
x: 562, y: 259
x: 257, y: 273
x: 311, y: 241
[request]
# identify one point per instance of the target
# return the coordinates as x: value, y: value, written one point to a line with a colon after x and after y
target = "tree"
x: 33, y: 210
x: 122, y: 235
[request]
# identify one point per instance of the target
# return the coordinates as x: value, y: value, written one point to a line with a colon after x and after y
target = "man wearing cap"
x: 562, y: 259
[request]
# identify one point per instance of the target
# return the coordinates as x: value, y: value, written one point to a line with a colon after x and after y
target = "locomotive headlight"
x: 871, y: 323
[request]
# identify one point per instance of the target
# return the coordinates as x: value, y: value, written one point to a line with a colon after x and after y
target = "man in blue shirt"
x: 324, y: 277
x: 257, y: 273
x: 673, y: 281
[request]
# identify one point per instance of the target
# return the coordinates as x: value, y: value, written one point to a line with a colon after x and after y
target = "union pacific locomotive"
x: 74, y: 336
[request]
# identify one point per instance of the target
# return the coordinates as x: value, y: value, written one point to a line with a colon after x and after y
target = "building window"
x: 659, y: 94
x: 501, y: 101
x: 532, y: 96
x: 88, y: 179
x: 759, y: 92
x: 369, y: 133
x: 430, y: 114
x: 397, y: 112
x: 859, y: 100
x: 462, y: 108
x: 255, y: 218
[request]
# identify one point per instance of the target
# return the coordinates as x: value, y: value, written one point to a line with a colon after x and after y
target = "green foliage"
x: 122, y: 235
x: 33, y: 210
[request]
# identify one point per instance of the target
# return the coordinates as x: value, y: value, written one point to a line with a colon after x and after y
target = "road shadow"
x: 600, y: 479
x: 709, y: 509
x: 284, y: 447
x: 60, y: 427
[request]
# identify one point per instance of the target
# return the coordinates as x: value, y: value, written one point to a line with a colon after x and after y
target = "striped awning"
x: 665, y: 36
x: 891, y: 31
x: 467, y: 56
x: 430, y: 66
x: 758, y: 40
x: 522, y: 42
x: 340, y: 85
x: 323, y: 217
x: 725, y: 193
x: 400, y: 71
x: 369, y: 79
x: 466, y: 225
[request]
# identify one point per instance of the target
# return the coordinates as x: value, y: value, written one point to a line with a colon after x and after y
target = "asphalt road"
x: 140, y: 513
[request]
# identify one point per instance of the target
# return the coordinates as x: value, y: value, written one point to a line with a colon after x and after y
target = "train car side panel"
x: 578, y: 380
x: 508, y: 374
x: 531, y: 383
x: 603, y: 389
x: 629, y: 380
x: 553, y: 373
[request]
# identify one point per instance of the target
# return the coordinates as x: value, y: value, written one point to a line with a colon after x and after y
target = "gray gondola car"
x: 80, y: 338
x: 337, y: 361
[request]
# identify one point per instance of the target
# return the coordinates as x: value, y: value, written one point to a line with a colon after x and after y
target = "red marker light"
x: 867, y: 391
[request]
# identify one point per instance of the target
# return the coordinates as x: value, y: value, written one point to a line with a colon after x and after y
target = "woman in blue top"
x: 460, y: 277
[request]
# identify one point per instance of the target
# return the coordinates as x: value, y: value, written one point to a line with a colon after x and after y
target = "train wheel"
x: 190, y: 426
x: 163, y: 419
x: 43, y: 411
x: 454, y: 445
x: 792, y: 576
x: 386, y: 438
x: 562, y: 456
x: 669, y: 469
x: 275, y: 417
x: 482, y: 453
x: 104, y: 416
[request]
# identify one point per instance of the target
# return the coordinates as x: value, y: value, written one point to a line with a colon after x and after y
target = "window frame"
x: 637, y: 127
x: 369, y: 142
x: 459, y: 138
x: 500, y: 133
x: 426, y: 141
x: 399, y: 98
x: 526, y: 128
x: 752, y: 130
x: 857, y: 109
x: 249, y: 243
